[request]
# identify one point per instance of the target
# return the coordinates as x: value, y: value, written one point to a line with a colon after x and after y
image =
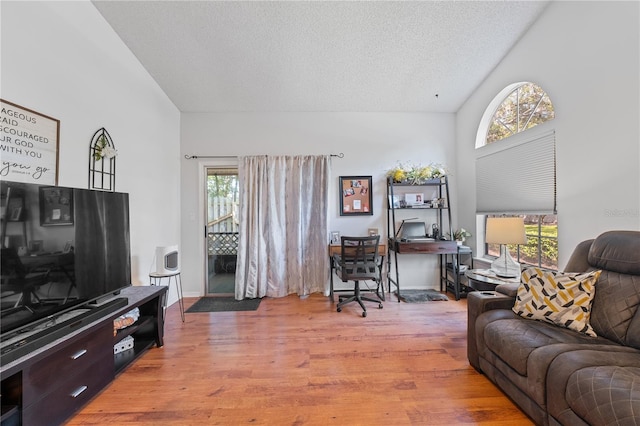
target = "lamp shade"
x: 505, y: 230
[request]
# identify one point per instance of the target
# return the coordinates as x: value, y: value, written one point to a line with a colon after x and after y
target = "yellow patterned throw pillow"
x: 560, y: 298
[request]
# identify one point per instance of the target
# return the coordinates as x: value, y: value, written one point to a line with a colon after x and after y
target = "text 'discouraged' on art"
x: 28, y: 144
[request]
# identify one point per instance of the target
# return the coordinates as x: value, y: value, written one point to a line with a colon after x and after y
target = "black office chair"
x: 358, y: 261
x: 17, y: 279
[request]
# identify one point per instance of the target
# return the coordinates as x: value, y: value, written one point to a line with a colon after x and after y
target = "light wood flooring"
x: 299, y: 362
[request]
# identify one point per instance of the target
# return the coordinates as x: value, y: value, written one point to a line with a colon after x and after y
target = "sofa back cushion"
x: 615, y: 312
x: 617, y: 251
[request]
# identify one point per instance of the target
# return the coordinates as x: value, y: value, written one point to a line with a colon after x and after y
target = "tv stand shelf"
x: 49, y: 384
x: 143, y: 340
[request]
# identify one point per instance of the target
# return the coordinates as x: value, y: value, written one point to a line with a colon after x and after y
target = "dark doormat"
x: 419, y: 296
x: 224, y: 304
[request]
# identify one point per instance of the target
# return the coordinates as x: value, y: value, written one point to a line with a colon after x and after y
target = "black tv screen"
x: 61, y: 247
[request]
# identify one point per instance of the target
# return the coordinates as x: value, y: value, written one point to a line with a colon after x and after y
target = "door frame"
x: 209, y: 163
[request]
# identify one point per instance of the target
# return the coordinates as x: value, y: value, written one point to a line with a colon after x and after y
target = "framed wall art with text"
x: 29, y: 145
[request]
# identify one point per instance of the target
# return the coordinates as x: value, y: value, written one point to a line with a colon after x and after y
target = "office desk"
x: 428, y: 247
x: 63, y: 262
x: 337, y: 249
x: 52, y: 259
x: 437, y: 247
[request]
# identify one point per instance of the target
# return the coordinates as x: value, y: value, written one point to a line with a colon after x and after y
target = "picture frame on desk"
x: 356, y: 195
x: 414, y: 199
x: 15, y: 214
x: 36, y: 246
x: 394, y: 201
x: 335, y: 237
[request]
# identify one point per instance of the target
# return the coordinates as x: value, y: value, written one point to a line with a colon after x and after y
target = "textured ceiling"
x: 221, y: 56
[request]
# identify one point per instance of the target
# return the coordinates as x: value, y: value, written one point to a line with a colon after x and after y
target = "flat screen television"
x: 61, y: 248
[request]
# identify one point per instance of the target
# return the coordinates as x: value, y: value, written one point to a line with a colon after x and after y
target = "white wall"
x: 372, y: 143
x: 585, y: 55
x: 63, y: 60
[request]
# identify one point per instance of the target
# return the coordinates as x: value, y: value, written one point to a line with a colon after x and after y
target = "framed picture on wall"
x: 35, y: 158
x: 56, y: 206
x: 355, y: 196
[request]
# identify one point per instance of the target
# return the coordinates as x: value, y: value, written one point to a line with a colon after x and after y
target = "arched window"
x: 526, y: 106
x: 516, y: 176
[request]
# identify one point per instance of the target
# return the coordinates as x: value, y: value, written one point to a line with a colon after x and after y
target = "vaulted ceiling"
x: 366, y: 56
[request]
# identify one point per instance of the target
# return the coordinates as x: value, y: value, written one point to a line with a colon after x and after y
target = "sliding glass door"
x: 222, y: 230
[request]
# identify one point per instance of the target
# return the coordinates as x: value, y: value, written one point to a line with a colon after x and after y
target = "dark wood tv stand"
x: 50, y: 384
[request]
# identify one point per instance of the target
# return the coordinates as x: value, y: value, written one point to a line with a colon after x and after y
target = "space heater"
x: 167, y: 260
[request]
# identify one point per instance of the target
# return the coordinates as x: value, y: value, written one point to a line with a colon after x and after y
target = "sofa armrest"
x: 477, y: 303
x: 510, y: 289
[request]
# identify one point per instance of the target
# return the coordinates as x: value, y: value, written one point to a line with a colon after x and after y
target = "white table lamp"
x: 503, y: 231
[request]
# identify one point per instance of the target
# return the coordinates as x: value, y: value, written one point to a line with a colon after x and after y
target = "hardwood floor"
x: 299, y: 362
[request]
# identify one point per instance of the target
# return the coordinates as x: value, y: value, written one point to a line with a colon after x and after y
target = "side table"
x: 453, y: 275
x: 156, y: 279
x: 484, y: 280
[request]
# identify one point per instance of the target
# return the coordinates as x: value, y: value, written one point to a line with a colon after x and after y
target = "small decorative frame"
x: 35, y: 246
x: 416, y: 199
x: 356, y: 195
x: 56, y: 206
x: 335, y: 237
x: 16, y: 214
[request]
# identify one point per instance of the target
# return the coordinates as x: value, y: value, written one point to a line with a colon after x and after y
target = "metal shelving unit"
x: 440, y: 210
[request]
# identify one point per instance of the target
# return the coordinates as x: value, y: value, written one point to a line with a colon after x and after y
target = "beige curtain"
x: 282, y: 246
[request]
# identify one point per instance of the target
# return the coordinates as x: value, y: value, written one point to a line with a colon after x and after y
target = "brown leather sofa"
x: 562, y: 377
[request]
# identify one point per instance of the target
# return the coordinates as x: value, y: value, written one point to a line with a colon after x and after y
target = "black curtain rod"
x: 193, y: 157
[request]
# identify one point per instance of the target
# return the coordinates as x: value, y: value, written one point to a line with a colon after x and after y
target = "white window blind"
x: 517, y: 174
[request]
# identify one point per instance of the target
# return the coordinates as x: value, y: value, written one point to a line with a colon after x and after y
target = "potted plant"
x: 460, y: 235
